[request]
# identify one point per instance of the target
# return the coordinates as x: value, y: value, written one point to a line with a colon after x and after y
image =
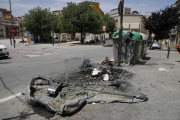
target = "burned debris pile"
x: 66, y: 93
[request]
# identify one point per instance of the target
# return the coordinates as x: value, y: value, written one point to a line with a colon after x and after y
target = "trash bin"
x: 131, y: 46
x: 144, y: 45
x: 115, y: 46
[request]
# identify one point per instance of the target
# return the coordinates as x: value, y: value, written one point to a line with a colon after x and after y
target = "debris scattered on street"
x: 109, y: 62
x: 105, y: 77
x: 96, y: 71
x: 163, y: 69
x: 91, y: 84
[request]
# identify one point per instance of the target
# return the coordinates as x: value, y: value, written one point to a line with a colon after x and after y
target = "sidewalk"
x: 6, y: 42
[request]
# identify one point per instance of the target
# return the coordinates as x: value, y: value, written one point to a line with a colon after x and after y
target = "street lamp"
x: 12, y: 26
x: 120, y: 11
x: 11, y: 21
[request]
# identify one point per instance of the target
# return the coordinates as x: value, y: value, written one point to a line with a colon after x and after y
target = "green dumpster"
x: 131, y: 46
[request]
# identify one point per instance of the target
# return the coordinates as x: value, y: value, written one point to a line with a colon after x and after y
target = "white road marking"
x: 33, y: 55
x: 10, y: 97
x: 47, y: 54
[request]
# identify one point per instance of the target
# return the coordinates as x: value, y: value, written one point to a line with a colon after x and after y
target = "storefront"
x: 8, y: 30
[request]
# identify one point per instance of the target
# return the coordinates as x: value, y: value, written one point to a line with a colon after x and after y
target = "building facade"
x: 6, y: 25
x: 114, y: 12
x: 57, y: 12
x: 133, y: 22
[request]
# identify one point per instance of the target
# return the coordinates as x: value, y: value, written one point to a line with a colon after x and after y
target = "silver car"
x: 156, y: 45
x: 3, y: 51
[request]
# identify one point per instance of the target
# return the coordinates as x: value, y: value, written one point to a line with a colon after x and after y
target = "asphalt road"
x: 25, y: 62
x: 161, y: 87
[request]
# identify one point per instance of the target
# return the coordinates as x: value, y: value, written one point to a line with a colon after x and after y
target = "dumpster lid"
x: 135, y: 35
x: 144, y: 36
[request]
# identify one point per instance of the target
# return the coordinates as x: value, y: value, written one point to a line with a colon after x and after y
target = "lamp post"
x: 120, y: 10
x: 11, y: 27
x: 11, y: 21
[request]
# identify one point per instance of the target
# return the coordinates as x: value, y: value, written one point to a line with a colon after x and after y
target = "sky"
x: 20, y: 7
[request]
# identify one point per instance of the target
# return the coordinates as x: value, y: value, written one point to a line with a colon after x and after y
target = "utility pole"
x: 11, y: 21
x: 120, y: 10
x: 169, y: 45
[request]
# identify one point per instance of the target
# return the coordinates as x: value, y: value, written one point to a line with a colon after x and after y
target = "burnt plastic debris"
x: 85, y: 64
x: 65, y: 98
x: 45, y: 80
x: 141, y: 97
x: 96, y: 71
x: 107, y: 61
x: 54, y: 88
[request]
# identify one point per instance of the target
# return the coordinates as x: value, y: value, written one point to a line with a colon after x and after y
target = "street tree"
x: 39, y: 21
x: 82, y: 18
x: 110, y: 23
x: 161, y: 22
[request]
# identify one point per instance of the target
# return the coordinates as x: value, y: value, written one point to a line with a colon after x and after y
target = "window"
x: 1, y: 15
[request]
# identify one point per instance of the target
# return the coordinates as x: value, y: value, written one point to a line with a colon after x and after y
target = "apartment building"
x: 114, y: 12
x: 133, y: 22
x: 6, y: 25
x: 57, y: 12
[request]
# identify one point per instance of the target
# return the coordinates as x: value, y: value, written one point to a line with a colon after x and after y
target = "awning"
x: 134, y: 26
x: 125, y: 25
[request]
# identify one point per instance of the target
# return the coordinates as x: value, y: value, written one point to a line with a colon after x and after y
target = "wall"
x: 114, y: 13
x: 134, y: 19
x: 8, y: 28
x: 2, y: 31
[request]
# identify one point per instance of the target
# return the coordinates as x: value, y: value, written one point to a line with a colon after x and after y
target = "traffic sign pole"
x: 120, y: 10
x: 12, y: 32
x: 13, y: 40
x: 104, y: 29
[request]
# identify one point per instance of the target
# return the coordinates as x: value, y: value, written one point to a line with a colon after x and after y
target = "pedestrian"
x: 22, y: 39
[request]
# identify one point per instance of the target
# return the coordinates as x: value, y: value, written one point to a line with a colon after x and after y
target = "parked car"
x: 3, y: 51
x: 156, y: 45
x: 56, y: 40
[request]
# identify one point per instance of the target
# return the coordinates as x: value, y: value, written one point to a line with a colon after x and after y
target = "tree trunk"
x: 151, y: 39
x: 34, y: 37
x: 82, y: 40
x: 59, y: 35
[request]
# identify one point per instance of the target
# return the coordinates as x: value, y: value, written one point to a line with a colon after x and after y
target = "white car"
x: 156, y: 45
x: 3, y: 51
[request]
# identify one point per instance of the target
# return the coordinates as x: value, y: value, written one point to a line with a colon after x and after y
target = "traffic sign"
x: 152, y: 35
x: 104, y: 28
x: 13, y: 31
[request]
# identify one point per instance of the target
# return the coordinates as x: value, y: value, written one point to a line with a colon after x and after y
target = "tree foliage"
x: 81, y: 18
x: 39, y: 21
x: 161, y: 22
x: 110, y: 23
